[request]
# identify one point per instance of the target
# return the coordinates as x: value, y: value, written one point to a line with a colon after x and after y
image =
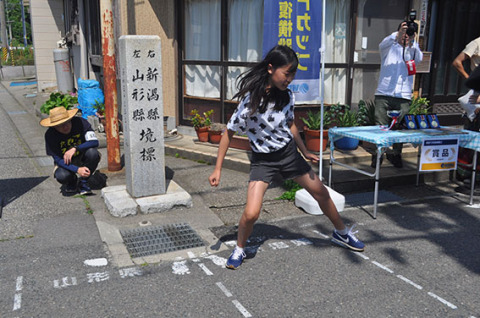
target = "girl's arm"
x: 301, y: 146
x: 214, y: 178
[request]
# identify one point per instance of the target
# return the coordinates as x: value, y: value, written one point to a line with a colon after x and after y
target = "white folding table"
x: 386, y: 138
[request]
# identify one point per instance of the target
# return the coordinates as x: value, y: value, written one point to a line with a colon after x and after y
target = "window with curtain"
x: 245, y: 32
x: 202, y: 42
x: 336, y: 49
x: 203, y: 23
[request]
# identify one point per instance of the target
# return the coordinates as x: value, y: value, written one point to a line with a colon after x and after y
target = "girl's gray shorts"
x: 287, y: 162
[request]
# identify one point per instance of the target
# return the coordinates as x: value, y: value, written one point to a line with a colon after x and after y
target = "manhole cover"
x: 160, y: 239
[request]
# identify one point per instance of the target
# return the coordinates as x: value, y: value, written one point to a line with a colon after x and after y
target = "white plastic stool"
x: 304, y: 200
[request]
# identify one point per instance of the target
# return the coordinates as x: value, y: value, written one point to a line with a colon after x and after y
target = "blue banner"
x: 297, y: 24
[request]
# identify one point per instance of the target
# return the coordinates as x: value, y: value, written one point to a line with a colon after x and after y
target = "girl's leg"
x: 317, y: 190
x: 342, y: 235
x: 256, y: 191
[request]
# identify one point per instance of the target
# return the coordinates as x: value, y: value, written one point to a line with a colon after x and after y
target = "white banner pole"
x: 322, y: 88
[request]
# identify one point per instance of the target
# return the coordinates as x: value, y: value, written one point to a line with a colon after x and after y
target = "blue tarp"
x: 89, y: 93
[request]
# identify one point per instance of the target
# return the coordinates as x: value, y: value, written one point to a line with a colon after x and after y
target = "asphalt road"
x: 414, y: 269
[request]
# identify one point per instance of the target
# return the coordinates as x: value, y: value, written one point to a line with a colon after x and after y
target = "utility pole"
x: 110, y: 85
x: 23, y: 23
x: 3, y: 24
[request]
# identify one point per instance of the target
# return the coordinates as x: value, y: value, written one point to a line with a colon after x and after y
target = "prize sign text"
x: 439, y: 154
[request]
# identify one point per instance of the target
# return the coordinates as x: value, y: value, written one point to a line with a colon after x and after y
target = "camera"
x: 412, y: 27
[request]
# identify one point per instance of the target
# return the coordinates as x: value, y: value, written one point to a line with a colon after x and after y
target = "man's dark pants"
x: 385, y: 103
x: 90, y: 159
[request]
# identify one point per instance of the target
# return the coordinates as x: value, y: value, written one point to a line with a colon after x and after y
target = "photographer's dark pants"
x: 89, y: 159
x: 386, y: 103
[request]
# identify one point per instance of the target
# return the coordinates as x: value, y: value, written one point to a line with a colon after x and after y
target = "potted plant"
x: 58, y: 99
x: 366, y: 113
x: 419, y: 106
x: 215, y: 132
x: 100, y: 111
x: 311, y: 130
x: 346, y: 117
x: 201, y: 123
x: 240, y: 142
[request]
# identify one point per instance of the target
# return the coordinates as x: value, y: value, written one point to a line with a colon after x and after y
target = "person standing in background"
x: 399, y: 53
x: 472, y: 52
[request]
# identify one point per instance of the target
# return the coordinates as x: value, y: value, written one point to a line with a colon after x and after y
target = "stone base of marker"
x: 121, y: 204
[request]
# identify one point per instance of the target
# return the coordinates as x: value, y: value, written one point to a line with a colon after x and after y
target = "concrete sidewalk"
x: 211, y: 207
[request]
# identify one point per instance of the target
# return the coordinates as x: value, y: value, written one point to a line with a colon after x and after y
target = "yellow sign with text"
x: 439, y: 154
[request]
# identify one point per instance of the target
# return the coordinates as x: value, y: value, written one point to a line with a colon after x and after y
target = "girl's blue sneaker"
x: 236, y: 259
x: 348, y: 240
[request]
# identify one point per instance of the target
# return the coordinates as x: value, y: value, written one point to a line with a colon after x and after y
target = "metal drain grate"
x: 160, y: 239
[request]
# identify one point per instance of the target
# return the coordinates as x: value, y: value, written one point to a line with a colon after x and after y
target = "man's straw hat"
x: 58, y: 116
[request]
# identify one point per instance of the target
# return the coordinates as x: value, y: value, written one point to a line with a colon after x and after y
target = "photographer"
x: 399, y: 53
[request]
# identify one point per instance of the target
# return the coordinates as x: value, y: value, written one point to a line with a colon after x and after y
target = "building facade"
x: 206, y: 44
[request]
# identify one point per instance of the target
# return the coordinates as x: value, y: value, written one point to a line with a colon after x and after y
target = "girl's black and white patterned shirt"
x: 267, y: 132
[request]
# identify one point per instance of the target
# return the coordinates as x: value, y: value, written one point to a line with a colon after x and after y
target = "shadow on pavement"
x: 262, y: 232
x: 11, y: 189
x: 448, y: 224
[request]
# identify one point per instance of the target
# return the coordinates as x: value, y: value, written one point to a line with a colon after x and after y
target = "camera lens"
x: 412, y: 27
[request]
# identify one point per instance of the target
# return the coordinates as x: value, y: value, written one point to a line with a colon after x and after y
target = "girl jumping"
x: 265, y: 115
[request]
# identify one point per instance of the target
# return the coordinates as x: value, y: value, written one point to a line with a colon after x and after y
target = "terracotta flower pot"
x: 240, y: 142
x: 214, y: 136
x: 202, y: 133
x: 312, y: 139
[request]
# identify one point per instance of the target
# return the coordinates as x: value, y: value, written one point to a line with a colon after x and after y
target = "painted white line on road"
x: 97, y: 277
x: 193, y: 257
x: 473, y: 206
x: 180, y: 268
x: 231, y: 243
x: 361, y: 255
x: 408, y: 281
x: 242, y: 309
x: 17, y: 302
x: 383, y: 267
x: 278, y: 245
x: 440, y: 299
x: 130, y: 272
x: 96, y: 262
x: 306, y: 225
x: 321, y: 234
x: 217, y: 260
x: 65, y: 282
x: 19, y: 283
x: 205, y: 269
x: 224, y: 289
x: 301, y: 241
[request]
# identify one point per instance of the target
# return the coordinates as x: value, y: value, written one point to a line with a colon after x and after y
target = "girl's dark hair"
x: 255, y: 80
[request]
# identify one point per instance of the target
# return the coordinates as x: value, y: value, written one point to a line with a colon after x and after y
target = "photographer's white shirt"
x: 394, y: 80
